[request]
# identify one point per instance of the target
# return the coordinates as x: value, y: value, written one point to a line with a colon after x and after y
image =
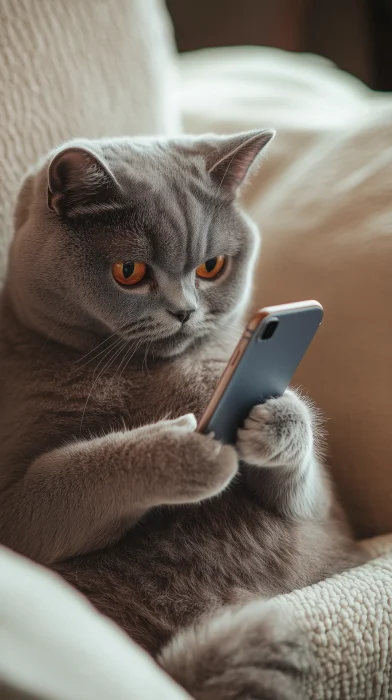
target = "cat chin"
x: 172, y: 347
x: 175, y: 345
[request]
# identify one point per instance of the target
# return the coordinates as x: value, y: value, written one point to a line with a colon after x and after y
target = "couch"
x: 322, y: 200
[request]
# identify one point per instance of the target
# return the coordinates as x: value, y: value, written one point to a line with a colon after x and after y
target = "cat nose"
x: 183, y: 315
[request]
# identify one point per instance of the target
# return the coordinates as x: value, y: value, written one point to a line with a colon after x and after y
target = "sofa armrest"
x: 348, y: 619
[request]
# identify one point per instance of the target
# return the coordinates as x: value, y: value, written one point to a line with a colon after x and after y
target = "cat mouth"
x: 175, y: 334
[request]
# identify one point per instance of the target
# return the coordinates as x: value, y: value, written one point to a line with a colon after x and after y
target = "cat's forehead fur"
x: 171, y: 216
x: 170, y: 209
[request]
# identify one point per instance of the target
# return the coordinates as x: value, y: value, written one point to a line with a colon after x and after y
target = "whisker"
x: 130, y: 351
x: 114, y: 346
x: 140, y: 323
x: 116, y: 354
x: 129, y: 358
x: 46, y: 341
x: 227, y: 333
x: 124, y: 327
x: 146, y: 356
x: 98, y: 346
x: 106, y: 366
x: 104, y: 352
x: 121, y: 361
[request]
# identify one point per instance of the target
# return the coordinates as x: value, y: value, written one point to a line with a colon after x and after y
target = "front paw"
x: 277, y: 433
x: 190, y: 466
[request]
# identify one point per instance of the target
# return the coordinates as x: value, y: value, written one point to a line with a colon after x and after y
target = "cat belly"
x: 181, y: 564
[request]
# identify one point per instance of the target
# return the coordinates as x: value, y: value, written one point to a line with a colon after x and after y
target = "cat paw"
x: 249, y: 653
x: 277, y: 433
x: 198, y: 467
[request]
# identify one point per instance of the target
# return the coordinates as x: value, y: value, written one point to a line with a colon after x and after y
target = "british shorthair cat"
x: 128, y: 280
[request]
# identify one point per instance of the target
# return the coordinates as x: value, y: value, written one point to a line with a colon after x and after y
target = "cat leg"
x: 281, y: 465
x: 244, y: 653
x: 86, y: 494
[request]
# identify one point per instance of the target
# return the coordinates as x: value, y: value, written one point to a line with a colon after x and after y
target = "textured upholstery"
x: 71, y: 68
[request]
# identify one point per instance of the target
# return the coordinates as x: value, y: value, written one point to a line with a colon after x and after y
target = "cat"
x: 128, y: 281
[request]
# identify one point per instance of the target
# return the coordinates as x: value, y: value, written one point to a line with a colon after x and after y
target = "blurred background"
x: 354, y: 34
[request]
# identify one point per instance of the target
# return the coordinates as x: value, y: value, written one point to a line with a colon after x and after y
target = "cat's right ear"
x: 229, y: 159
x: 80, y: 183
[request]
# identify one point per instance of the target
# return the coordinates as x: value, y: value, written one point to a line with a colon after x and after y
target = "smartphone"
x: 261, y: 366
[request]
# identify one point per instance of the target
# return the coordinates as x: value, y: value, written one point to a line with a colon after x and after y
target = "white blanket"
x: 55, y: 646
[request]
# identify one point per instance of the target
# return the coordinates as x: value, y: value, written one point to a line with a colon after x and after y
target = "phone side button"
x: 235, y: 357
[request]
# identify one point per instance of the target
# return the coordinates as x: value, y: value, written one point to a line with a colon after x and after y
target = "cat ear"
x: 231, y: 157
x: 80, y: 183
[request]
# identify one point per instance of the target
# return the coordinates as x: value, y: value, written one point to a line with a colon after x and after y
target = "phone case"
x: 261, y: 369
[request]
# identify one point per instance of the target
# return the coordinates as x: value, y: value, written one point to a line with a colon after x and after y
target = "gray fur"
x: 102, y: 475
x: 253, y: 650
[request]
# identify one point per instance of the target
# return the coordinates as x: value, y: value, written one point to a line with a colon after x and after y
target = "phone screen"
x: 262, y: 365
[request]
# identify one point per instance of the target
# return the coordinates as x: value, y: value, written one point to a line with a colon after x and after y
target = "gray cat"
x: 128, y: 279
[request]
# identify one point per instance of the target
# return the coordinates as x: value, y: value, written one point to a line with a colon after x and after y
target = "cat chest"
x: 143, y: 398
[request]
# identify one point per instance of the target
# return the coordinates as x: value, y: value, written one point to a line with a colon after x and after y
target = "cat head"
x: 141, y: 238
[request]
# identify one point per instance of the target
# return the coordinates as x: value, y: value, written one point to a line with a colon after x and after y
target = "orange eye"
x: 129, y: 273
x: 211, y: 268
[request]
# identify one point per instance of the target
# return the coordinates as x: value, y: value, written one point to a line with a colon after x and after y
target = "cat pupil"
x: 128, y: 269
x: 210, y: 264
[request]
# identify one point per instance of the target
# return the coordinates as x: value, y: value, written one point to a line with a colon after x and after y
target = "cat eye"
x: 211, y: 268
x: 129, y: 273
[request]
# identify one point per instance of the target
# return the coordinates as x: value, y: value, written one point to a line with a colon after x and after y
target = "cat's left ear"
x: 229, y: 158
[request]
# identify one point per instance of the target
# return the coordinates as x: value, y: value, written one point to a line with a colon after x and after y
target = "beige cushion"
x: 323, y: 199
x: 72, y: 68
